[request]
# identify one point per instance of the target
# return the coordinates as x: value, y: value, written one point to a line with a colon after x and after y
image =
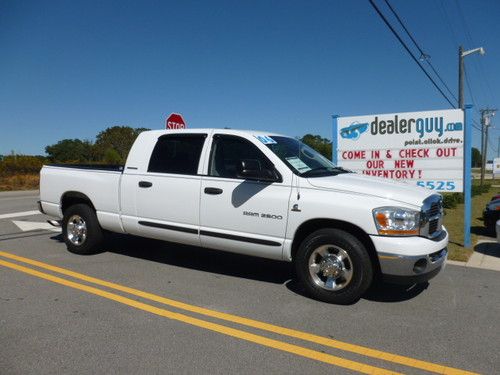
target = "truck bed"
x: 100, y: 183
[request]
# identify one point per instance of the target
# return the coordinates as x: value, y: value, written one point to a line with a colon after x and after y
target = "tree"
x: 111, y: 156
x: 71, y: 150
x: 320, y: 144
x: 476, y: 157
x: 118, y: 138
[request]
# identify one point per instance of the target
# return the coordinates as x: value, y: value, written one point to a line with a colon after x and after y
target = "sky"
x: 70, y: 69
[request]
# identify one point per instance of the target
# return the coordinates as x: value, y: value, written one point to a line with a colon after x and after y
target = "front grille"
x: 432, y: 216
x: 433, y: 226
x: 434, y: 210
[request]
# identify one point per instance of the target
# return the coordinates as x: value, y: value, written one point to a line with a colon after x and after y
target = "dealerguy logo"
x: 422, y: 126
x: 354, y: 130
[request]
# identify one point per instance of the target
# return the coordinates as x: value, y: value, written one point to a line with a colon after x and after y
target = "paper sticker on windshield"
x: 298, y: 164
x: 265, y: 139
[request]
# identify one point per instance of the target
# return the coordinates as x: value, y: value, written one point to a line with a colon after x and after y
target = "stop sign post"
x: 175, y: 121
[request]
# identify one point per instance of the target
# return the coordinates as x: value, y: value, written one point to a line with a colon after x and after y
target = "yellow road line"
x: 261, y: 340
x: 373, y: 353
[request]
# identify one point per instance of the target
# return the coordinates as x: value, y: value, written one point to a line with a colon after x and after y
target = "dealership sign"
x: 421, y: 148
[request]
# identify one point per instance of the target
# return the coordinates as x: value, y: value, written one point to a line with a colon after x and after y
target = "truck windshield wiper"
x: 343, y: 170
x: 313, y: 171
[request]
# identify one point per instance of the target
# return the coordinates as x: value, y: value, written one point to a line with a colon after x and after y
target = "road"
x: 185, y: 313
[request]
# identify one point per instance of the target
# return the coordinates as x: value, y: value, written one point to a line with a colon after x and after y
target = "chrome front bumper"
x: 410, y: 260
x: 412, y: 269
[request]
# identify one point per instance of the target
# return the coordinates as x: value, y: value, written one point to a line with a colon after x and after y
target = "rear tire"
x: 333, y: 266
x: 81, y: 230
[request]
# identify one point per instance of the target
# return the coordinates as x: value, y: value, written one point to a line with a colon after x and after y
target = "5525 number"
x: 438, y: 185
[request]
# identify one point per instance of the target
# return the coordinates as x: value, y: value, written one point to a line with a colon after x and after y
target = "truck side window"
x: 177, y: 153
x: 227, y: 151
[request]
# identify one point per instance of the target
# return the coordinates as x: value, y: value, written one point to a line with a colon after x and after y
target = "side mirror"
x: 251, y: 169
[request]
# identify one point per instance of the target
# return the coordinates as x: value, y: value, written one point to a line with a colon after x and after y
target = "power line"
x: 465, y: 28
x: 453, y: 34
x: 469, y: 87
x: 409, y: 52
x: 477, y: 126
x: 478, y: 66
x: 423, y: 55
x: 493, y: 148
x: 444, y: 12
x: 488, y: 86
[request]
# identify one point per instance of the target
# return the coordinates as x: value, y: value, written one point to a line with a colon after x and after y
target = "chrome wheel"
x: 76, y: 230
x: 330, y: 267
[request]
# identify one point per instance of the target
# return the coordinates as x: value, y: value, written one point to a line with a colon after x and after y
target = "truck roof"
x: 215, y: 130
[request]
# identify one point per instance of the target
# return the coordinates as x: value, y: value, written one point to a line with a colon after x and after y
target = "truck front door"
x: 239, y: 215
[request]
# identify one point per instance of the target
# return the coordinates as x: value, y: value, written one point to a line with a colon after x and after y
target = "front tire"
x: 333, y: 266
x: 81, y: 230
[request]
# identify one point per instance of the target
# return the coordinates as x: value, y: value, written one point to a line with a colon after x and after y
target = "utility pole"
x: 461, y: 55
x: 486, y: 115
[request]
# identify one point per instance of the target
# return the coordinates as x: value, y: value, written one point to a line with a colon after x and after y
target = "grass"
x: 20, y: 182
x: 454, y: 223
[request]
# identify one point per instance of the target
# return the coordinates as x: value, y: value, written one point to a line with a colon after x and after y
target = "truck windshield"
x: 300, y: 158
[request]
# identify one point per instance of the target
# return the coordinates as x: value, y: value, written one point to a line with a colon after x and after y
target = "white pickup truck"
x: 259, y: 194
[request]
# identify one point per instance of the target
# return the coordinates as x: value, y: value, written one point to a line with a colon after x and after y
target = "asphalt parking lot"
x: 144, y: 306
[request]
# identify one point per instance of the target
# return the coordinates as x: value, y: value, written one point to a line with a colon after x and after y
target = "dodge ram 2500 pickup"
x: 259, y: 194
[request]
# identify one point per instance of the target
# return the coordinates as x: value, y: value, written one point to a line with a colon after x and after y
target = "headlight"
x: 396, y: 221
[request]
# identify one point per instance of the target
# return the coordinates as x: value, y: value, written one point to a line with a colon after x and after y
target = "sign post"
x: 175, y: 121
x: 335, y: 141
x: 467, y: 174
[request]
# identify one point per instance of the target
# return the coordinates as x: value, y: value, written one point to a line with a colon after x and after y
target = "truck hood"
x: 373, y: 186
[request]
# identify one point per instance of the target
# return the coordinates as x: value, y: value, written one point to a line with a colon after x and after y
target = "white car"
x: 259, y: 194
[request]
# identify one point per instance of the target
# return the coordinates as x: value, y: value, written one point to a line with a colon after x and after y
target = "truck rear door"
x: 167, y: 195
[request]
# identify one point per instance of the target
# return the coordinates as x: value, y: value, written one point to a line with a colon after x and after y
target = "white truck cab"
x: 259, y: 194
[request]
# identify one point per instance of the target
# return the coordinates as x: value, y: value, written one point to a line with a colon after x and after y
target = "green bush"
x: 450, y: 200
x: 478, y: 189
x: 21, y: 165
x: 111, y: 156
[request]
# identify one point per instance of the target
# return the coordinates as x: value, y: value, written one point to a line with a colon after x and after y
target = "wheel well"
x: 71, y: 198
x: 311, y: 226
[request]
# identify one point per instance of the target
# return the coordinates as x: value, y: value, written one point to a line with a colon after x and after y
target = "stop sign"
x: 175, y: 121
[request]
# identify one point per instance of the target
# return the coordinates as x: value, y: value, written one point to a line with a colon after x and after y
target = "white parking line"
x: 29, y: 225
x: 17, y: 214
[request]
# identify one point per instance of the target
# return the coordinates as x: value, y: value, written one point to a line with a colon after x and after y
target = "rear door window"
x: 177, y: 154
